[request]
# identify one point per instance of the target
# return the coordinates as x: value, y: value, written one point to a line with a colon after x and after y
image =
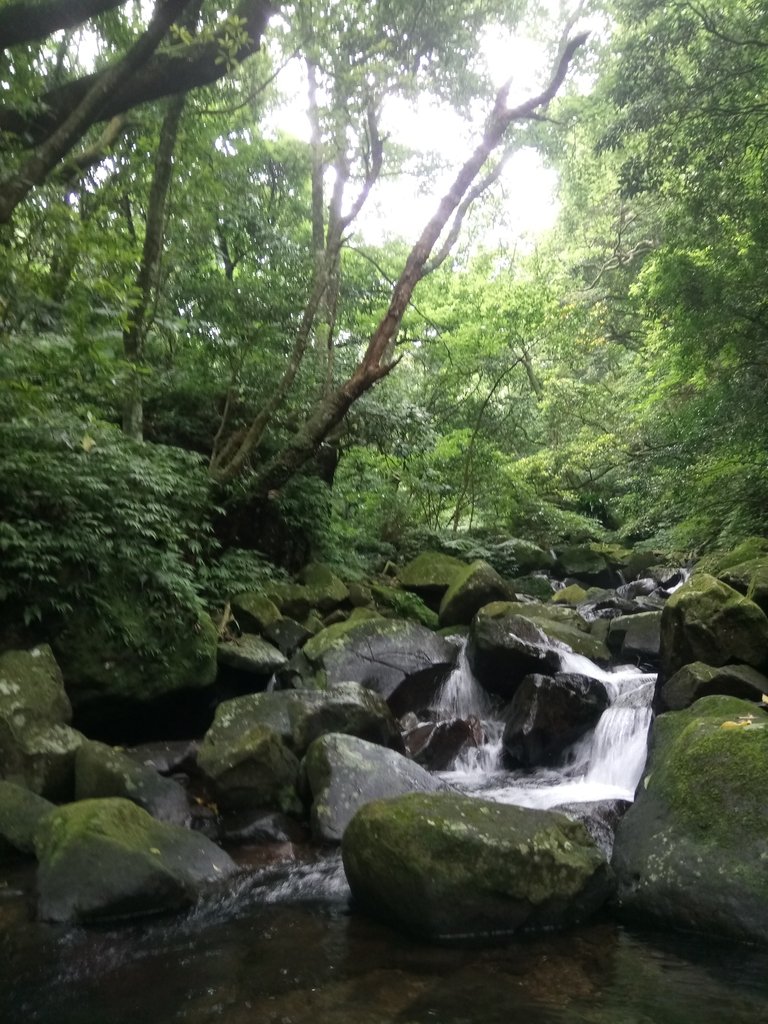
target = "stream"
x: 282, y: 946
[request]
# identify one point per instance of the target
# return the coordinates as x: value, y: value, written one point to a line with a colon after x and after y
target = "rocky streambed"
x: 475, y: 780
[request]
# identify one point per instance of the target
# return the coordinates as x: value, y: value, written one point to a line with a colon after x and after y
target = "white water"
x: 606, y: 764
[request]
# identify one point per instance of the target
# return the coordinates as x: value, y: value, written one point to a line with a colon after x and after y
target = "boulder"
x: 447, y: 866
x: 691, y: 851
x: 254, y: 612
x: 706, y: 620
x: 101, y: 667
x: 102, y: 771
x: 636, y: 636
x: 561, y: 625
x: 251, y: 655
x: 697, y: 680
x: 42, y: 759
x: 393, y: 657
x: 106, y: 859
x: 252, y: 750
x: 522, y: 556
x: 587, y: 565
x: 430, y: 574
x: 747, y: 551
x: 20, y: 814
x: 749, y: 578
x: 503, y: 650
x: 572, y: 594
x: 547, y: 715
x: 436, y: 745
x: 287, y: 635
x: 478, y: 584
x: 326, y: 589
x: 344, y: 773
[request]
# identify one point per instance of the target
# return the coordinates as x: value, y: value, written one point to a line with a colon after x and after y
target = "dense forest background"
x: 210, y: 374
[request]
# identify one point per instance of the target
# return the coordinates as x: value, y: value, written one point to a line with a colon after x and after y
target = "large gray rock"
x: 636, y: 636
x: 454, y: 867
x: 252, y: 750
x: 106, y: 859
x: 560, y: 624
x: 691, y: 851
x: 344, y: 773
x: 503, y: 650
x: 37, y: 747
x: 706, y: 620
x: 477, y: 585
x: 20, y: 814
x: 547, y: 715
x: 402, y: 661
x: 430, y: 574
x: 697, y: 680
x: 102, y: 771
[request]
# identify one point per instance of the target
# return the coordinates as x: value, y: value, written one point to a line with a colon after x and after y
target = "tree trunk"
x: 148, y: 277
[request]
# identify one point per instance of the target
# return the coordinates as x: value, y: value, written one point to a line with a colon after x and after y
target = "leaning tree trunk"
x: 378, y: 359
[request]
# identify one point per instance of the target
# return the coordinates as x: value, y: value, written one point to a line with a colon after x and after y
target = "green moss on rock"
x: 21, y: 811
x: 478, y: 584
x: 453, y: 867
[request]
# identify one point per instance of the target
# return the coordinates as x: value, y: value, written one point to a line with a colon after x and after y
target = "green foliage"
x: 405, y: 605
x: 90, y: 517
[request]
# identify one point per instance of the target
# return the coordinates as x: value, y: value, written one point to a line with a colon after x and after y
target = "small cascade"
x: 606, y: 764
x: 461, y: 695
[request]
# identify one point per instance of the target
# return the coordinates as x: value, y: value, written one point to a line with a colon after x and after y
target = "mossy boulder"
x: 588, y: 564
x: 430, y: 574
x: 547, y: 715
x: 343, y: 773
x: 163, y: 655
x: 572, y: 594
x: 697, y: 680
x: 328, y: 591
x: 749, y: 549
x: 539, y: 587
x: 103, y: 771
x: 403, y: 604
x: 106, y: 859
x: 749, y: 578
x: 251, y: 768
x: 446, y: 866
x: 42, y: 759
x: 560, y: 624
x: 691, y: 852
x: 394, y: 657
x: 254, y: 612
x: 706, y: 620
x: 251, y: 655
x: 522, y: 556
x: 20, y: 814
x: 478, y: 584
x: 252, y: 750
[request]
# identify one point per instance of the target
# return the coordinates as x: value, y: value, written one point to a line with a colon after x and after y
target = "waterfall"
x: 605, y: 764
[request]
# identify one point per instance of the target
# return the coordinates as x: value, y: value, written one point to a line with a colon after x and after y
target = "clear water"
x: 283, y: 948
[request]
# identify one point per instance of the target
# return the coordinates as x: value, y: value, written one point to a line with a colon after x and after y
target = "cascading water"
x: 606, y: 764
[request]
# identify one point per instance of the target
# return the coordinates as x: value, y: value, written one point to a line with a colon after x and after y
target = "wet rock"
x: 42, y: 759
x: 344, y: 773
x: 600, y: 818
x: 547, y: 715
x: 697, y: 680
x: 706, y: 620
x: 144, y: 866
x: 690, y: 852
x: 251, y: 655
x: 447, y: 867
x: 477, y: 585
x: 262, y: 827
x: 102, y: 771
x: 383, y: 655
x: 560, y: 624
x: 636, y: 636
x: 503, y: 650
x: 20, y: 814
x: 436, y: 745
x: 167, y: 758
